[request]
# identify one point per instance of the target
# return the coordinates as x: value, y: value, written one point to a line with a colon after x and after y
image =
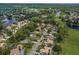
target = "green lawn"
x: 70, y: 46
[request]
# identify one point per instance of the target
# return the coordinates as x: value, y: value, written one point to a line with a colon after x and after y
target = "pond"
x: 7, y: 22
x: 73, y: 26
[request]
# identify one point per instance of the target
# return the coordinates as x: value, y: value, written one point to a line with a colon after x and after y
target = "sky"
x: 39, y: 1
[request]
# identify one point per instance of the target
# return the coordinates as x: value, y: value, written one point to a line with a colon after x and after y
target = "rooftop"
x: 45, y: 50
x: 17, y: 51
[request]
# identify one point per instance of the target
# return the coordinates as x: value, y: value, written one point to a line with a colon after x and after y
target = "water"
x: 74, y: 27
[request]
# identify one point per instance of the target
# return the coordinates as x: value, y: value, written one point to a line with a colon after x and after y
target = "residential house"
x: 17, y: 50
x: 45, y: 51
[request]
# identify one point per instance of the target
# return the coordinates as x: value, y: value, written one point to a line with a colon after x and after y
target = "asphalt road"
x: 35, y: 46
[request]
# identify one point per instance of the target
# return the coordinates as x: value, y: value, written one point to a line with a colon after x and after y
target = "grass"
x: 27, y: 48
x: 70, y: 46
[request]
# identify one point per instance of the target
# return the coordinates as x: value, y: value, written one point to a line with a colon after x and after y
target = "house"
x: 38, y: 28
x: 2, y: 38
x: 2, y: 45
x: 52, y: 37
x: 45, y: 33
x: 49, y: 41
x: 45, y: 51
x: 17, y: 50
x: 58, y: 12
x: 77, y: 19
x: 37, y: 32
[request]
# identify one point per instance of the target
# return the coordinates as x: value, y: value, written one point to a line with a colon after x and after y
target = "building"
x: 45, y: 51
x: 58, y: 12
x: 17, y: 50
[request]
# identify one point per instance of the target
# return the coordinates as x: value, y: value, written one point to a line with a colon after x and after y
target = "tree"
x: 1, y: 25
x: 4, y: 51
x: 62, y: 33
x: 8, y: 32
x: 57, y: 49
x: 36, y: 19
